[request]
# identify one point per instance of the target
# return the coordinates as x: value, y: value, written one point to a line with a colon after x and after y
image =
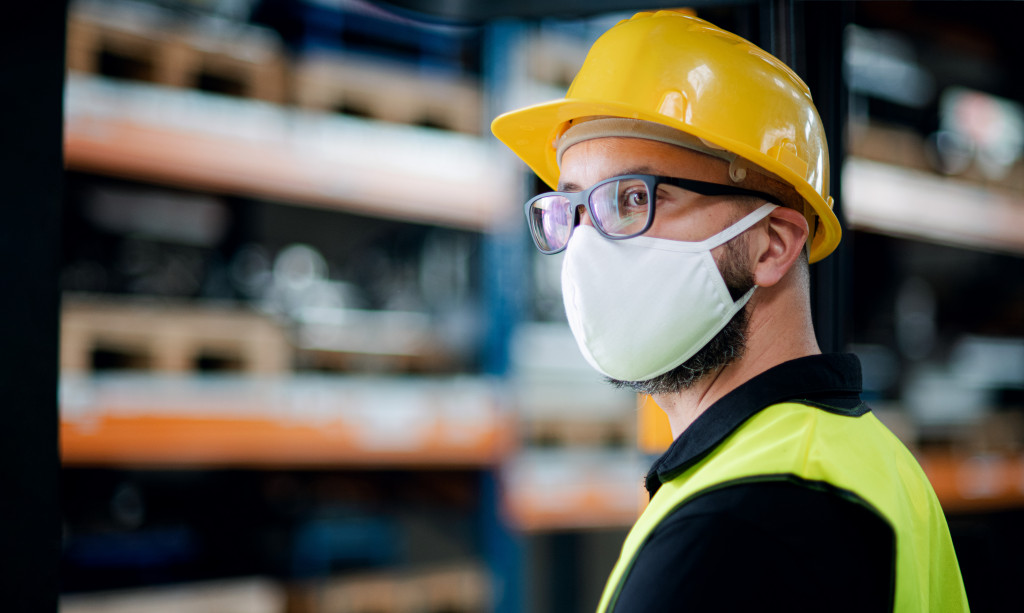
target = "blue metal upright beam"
x: 506, y: 283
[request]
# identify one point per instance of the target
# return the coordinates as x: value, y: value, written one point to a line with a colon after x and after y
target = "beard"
x: 723, y: 349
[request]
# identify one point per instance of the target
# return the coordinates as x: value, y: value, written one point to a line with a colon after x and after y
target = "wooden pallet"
x: 454, y: 589
x: 426, y: 361
x: 388, y: 91
x: 579, y: 433
x: 555, y: 60
x: 247, y: 595
x: 244, y: 61
x: 167, y: 337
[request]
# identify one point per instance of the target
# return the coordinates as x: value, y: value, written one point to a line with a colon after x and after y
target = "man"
x: 692, y: 177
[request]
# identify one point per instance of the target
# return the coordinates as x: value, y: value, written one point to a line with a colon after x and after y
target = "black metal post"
x: 780, y: 31
x: 31, y: 77
x: 808, y: 37
x: 820, y: 47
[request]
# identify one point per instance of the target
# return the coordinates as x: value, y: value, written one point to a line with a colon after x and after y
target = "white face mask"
x: 642, y: 306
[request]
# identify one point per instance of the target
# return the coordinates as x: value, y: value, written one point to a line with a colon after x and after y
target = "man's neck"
x: 775, y: 334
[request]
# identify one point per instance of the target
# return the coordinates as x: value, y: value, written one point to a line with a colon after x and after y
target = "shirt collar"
x: 830, y: 381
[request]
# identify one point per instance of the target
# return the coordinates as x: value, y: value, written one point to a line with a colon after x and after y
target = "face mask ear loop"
x: 739, y: 227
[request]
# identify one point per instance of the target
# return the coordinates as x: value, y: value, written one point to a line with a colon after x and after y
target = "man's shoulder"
x: 775, y: 503
x: 783, y: 538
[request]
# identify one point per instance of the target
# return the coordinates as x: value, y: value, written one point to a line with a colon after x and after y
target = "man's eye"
x: 636, y: 198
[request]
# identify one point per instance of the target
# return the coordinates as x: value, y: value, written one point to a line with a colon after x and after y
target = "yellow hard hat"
x: 675, y: 69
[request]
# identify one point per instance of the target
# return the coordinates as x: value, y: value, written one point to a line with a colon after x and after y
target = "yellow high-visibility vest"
x: 854, y: 453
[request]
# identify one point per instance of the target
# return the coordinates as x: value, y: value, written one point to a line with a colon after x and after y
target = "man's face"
x: 679, y: 215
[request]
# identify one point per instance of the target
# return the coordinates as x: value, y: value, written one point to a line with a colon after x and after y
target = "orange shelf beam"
x: 966, y: 483
x: 161, y: 441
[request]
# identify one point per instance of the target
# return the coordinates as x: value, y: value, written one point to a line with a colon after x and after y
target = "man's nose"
x: 583, y: 217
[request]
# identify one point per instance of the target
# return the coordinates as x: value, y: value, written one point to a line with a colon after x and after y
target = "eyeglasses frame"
x: 582, y: 198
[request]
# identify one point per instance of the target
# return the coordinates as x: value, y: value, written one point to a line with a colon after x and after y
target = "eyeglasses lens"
x: 551, y: 222
x: 621, y: 208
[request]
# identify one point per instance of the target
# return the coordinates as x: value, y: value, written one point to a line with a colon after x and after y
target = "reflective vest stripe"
x: 852, y: 453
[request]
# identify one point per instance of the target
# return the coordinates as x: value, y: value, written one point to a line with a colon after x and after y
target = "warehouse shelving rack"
x: 34, y: 333
x: 265, y: 417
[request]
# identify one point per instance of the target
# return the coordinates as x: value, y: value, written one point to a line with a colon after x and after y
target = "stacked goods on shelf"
x: 568, y: 489
x: 388, y: 91
x: 146, y: 43
x: 296, y: 421
x: 893, y: 144
x: 554, y: 59
x: 166, y: 337
x: 126, y: 400
x: 255, y: 595
x: 292, y: 153
x: 562, y: 401
x: 574, y: 432
x: 464, y: 588
x: 579, y: 466
x: 243, y: 147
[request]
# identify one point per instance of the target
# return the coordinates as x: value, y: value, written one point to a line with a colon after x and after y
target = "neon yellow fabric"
x: 857, y: 454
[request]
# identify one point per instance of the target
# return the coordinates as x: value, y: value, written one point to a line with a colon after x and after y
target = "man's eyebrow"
x: 569, y: 186
x: 638, y: 170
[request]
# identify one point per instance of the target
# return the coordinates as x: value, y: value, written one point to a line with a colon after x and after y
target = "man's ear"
x: 785, y: 232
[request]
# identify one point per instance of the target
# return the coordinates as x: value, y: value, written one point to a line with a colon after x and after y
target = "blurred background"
x: 311, y: 363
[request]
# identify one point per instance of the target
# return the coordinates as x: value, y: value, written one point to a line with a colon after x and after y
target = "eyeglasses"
x: 619, y: 207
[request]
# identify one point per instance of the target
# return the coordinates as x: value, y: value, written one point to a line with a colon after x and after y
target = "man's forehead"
x: 588, y: 162
x: 567, y: 185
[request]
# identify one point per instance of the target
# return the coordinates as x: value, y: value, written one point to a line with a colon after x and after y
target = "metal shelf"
x: 210, y: 142
x: 290, y: 421
x: 908, y: 202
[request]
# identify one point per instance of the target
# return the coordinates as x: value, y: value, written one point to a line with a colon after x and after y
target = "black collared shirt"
x: 786, y: 544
